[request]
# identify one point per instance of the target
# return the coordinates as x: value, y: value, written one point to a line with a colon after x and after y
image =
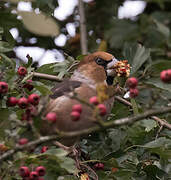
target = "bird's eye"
x: 100, y: 61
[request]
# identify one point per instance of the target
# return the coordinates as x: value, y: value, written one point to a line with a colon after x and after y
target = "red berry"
x: 169, y: 73
x: 77, y: 107
x: 133, y: 92
x: 41, y: 170
x: 75, y: 115
x: 34, y: 175
x: 28, y: 85
x: 44, y: 149
x: 23, y: 102
x: 3, y: 87
x: 24, y: 171
x: 22, y: 71
x: 99, y: 166
x: 94, y: 100
x: 51, y: 117
x: 40, y: 178
x: 34, y: 99
x: 165, y: 76
x: 12, y: 101
x: 23, y: 141
x: 102, y: 109
x: 132, y: 82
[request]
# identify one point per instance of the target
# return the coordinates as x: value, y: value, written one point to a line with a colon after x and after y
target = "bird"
x: 93, y: 69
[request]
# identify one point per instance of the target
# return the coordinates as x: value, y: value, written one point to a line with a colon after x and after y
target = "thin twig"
x: 83, y: 31
x: 90, y: 169
x: 119, y: 122
x: 162, y: 122
x: 46, y: 76
x: 120, y: 99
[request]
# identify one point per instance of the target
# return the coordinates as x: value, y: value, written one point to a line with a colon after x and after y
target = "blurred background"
x: 46, y: 29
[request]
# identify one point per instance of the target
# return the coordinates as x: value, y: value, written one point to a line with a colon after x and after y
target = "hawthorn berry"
x: 165, y: 76
x: 34, y: 99
x: 44, y: 149
x: 23, y: 141
x: 12, y: 101
x: 23, y: 102
x: 132, y: 82
x: 3, y: 87
x: 41, y: 170
x: 24, y: 171
x: 22, y: 71
x: 51, y: 117
x: 34, y: 175
x: 102, y: 109
x: 99, y: 166
x: 28, y: 85
x: 94, y: 100
x: 133, y: 92
x: 75, y: 115
x: 77, y: 107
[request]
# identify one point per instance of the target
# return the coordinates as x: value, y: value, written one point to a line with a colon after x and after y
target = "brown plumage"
x: 91, y: 72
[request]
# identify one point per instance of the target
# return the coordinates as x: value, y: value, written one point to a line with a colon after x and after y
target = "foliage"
x: 138, y: 151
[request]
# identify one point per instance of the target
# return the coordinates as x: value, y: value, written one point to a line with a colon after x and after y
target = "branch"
x: 107, y: 125
x: 83, y: 31
x: 46, y: 76
x: 162, y: 122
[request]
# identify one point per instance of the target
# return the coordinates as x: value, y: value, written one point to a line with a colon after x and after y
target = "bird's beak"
x: 110, y: 71
x: 110, y: 67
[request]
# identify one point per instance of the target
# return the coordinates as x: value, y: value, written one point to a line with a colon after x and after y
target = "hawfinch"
x: 93, y: 70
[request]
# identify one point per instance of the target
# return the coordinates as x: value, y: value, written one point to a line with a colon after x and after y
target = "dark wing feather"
x: 64, y: 87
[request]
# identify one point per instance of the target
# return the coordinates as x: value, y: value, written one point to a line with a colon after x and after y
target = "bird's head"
x: 97, y: 67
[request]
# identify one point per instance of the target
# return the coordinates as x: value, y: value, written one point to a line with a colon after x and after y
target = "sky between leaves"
x: 130, y: 9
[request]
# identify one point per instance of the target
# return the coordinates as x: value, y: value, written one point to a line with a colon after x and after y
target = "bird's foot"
x: 72, y: 151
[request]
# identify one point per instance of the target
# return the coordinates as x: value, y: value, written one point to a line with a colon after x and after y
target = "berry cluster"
x: 24, y: 103
x: 101, y: 107
x: 26, y: 174
x: 165, y: 76
x: 76, y: 112
x: 132, y: 84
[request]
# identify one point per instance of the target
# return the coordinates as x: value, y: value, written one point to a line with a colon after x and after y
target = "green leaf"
x: 162, y: 29
x: 156, y: 67
x: 4, y: 114
x: 68, y: 164
x: 5, y: 47
x: 159, y: 84
x: 9, y: 38
x: 160, y: 142
x: 42, y: 88
x: 47, y: 69
x: 149, y: 124
x: 39, y: 24
x: 57, y: 152
x: 136, y: 55
x: 8, y: 61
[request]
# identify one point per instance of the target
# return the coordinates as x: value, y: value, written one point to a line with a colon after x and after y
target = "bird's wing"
x: 64, y: 87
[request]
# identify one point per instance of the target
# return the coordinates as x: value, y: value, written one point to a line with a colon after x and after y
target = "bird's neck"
x: 78, y: 76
